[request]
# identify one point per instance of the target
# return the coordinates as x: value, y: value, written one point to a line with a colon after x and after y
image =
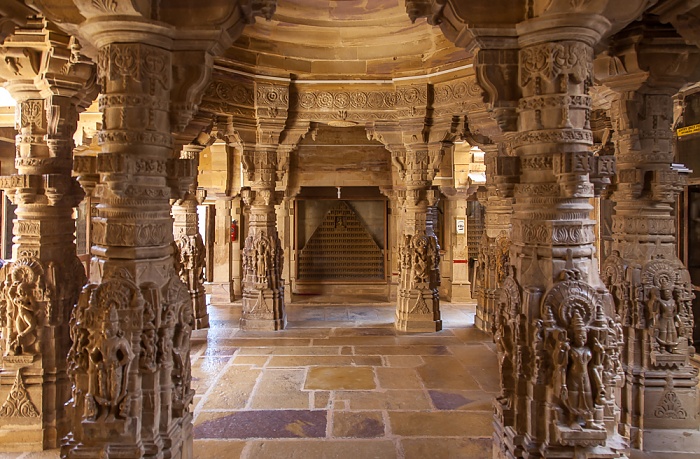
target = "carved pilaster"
x: 650, y: 286
x: 51, y: 82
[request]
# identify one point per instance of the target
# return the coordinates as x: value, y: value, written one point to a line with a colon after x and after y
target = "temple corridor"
x: 341, y: 382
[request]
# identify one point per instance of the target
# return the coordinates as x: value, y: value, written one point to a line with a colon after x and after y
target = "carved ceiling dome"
x: 343, y: 39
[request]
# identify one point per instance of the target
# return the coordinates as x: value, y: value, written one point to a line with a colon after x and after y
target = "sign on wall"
x: 459, y: 225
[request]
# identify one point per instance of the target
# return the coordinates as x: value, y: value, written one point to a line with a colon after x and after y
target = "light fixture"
x: 338, y: 192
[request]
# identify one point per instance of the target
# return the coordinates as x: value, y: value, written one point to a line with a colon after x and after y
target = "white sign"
x: 459, y: 225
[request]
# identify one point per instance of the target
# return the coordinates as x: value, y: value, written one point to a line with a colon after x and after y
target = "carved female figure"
x: 664, y: 322
x: 420, y: 260
x: 24, y: 337
x: 110, y: 358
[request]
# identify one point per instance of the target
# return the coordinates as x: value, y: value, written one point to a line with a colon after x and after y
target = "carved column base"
x: 485, y: 310
x: 418, y: 311
x: 22, y: 390
x: 667, y: 403
x: 107, y: 435
x: 507, y: 444
x: 221, y: 292
x: 201, y: 318
x: 668, y: 443
x: 263, y: 309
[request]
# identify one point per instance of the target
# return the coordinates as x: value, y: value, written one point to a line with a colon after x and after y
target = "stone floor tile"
x: 256, y: 361
x: 217, y: 449
x: 321, y: 399
x: 340, y: 378
x: 462, y: 400
x: 219, y: 351
x: 327, y: 360
x: 354, y: 424
x: 481, y: 356
x: 232, y: 390
x: 261, y: 424
x: 386, y: 400
x: 430, y: 340
x: 471, y: 334
x: 446, y: 372
x: 441, y: 423
x: 205, y: 370
x: 403, y: 361
x: 398, y: 378
x: 335, y: 449
x: 280, y: 389
x: 358, y: 341
x: 315, y: 350
x: 446, y: 448
x: 401, y: 350
x: 365, y: 331
x: 263, y: 342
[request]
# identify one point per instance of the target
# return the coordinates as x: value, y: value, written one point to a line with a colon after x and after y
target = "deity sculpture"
x: 420, y: 260
x: 572, y: 379
x: 23, y: 339
x: 110, y: 358
x: 664, y: 322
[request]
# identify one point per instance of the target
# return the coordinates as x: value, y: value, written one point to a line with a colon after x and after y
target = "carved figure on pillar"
x: 664, y: 322
x: 110, y: 358
x: 27, y: 299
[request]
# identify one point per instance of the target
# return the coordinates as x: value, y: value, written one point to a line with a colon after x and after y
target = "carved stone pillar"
x: 190, y: 246
x: 222, y: 285
x: 418, y: 302
x: 263, y: 255
x: 263, y: 286
x: 494, y: 252
x: 50, y: 82
x: 650, y: 286
x: 130, y: 355
x: 557, y: 342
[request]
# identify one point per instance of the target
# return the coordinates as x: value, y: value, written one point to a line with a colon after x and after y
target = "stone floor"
x: 339, y: 382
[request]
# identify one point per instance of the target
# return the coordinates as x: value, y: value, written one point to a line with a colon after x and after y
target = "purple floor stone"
x: 265, y: 424
x: 447, y: 401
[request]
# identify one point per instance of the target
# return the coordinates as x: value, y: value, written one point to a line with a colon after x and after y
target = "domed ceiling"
x: 342, y: 39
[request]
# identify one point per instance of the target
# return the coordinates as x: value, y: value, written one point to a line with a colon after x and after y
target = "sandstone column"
x: 263, y: 286
x: 494, y: 253
x: 650, y: 286
x: 51, y: 83
x: 489, y: 122
x: 418, y: 302
x: 558, y: 345
x: 190, y: 246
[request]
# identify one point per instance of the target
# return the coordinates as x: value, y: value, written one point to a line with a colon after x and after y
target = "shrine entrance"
x: 340, y: 242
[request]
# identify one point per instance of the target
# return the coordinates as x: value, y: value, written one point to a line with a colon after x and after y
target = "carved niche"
x: 665, y: 301
x: 190, y: 260
x: 509, y: 342
x: 579, y: 346
x: 106, y: 323
x: 262, y: 260
x: 26, y: 306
